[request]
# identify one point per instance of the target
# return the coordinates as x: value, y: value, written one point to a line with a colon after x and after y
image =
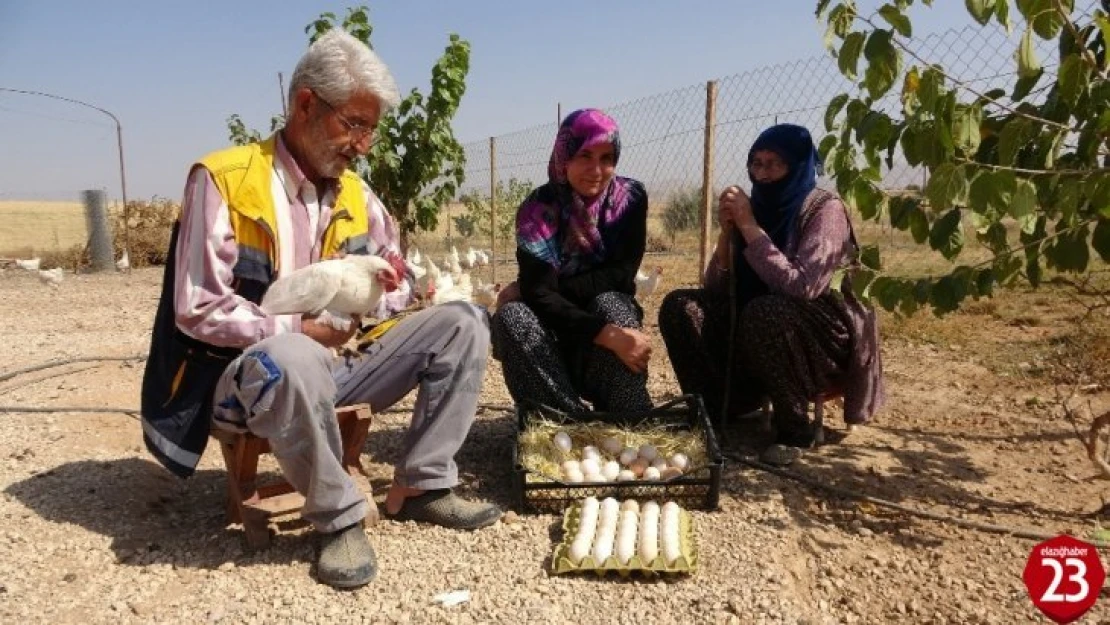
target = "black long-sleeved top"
x: 561, y: 302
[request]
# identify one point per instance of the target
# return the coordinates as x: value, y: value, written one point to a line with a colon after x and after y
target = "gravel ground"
x: 93, y: 530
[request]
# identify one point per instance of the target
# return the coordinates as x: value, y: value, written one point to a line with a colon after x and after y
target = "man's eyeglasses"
x: 354, y: 131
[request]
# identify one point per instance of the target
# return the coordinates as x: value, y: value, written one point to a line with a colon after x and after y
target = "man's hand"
x: 325, y: 333
x: 631, y: 346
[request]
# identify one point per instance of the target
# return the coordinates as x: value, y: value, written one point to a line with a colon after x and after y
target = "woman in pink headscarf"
x: 575, y: 333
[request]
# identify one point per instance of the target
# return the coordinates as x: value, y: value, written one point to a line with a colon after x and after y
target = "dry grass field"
x: 29, y: 228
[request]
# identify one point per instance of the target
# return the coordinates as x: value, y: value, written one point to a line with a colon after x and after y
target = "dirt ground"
x: 93, y: 530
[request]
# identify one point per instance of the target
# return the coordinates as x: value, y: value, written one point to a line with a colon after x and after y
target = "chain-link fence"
x: 664, y: 138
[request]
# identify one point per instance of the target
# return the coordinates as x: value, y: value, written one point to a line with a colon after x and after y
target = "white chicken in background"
x: 453, y: 289
x: 53, y: 277
x: 425, y: 284
x: 470, y: 259
x: 414, y: 256
x: 416, y: 270
x: 486, y: 294
x: 341, y: 287
x: 30, y: 265
x: 481, y: 257
x: 124, y: 263
x: 646, y: 283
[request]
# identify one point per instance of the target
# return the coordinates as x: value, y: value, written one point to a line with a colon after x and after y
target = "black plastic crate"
x: 700, y: 488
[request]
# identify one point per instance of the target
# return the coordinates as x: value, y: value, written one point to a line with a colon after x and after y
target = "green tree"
x: 510, y: 194
x: 416, y: 165
x: 1034, y: 155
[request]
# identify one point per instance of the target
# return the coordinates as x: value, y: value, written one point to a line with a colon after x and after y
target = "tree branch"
x: 1088, y: 56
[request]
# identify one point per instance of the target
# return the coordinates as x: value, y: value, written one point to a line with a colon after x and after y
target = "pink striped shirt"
x: 206, y: 306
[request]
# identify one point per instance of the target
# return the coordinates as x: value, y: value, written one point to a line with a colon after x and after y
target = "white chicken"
x: 53, y: 277
x: 425, y: 284
x: 414, y: 256
x: 646, y: 283
x: 481, y: 257
x: 486, y: 294
x: 470, y: 259
x: 124, y: 263
x: 342, y: 287
x: 30, y: 265
x: 453, y: 289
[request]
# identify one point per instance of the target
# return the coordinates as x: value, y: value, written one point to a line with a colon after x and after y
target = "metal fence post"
x: 493, y: 209
x: 100, y: 234
x: 707, y: 173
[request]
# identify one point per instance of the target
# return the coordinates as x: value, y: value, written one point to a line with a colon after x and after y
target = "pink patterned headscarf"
x: 555, y: 223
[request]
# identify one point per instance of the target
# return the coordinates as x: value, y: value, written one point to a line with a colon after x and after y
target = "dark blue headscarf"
x: 776, y: 205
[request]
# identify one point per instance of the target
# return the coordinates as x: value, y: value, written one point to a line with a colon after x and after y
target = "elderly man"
x: 254, y: 213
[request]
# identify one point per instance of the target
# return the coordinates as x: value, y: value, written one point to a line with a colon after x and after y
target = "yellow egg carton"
x: 686, y: 564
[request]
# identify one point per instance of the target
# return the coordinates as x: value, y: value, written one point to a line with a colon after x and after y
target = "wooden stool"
x: 254, y: 505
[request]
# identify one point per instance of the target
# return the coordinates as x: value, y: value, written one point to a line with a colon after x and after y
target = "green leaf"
x: 947, y: 236
x: 947, y: 187
x: 1002, y: 14
x: 992, y: 191
x: 848, y: 57
x: 1072, y: 78
x: 1070, y: 252
x: 965, y: 128
x: 945, y: 295
x: 1098, y: 193
x: 1024, y: 86
x: 1006, y: 268
x: 932, y: 85
x: 884, y: 63
x: 822, y: 5
x: 1024, y: 202
x: 1100, y: 239
x: 896, y: 19
x: 981, y: 10
x: 868, y: 200
x: 833, y: 109
x: 1011, y: 140
x: 870, y: 258
x: 1028, y: 64
x: 826, y: 148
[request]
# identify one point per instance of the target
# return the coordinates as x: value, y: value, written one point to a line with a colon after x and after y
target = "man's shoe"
x: 443, y: 507
x: 346, y: 558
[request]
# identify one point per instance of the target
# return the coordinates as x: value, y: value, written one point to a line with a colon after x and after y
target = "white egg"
x: 578, y: 551
x: 591, y: 465
x: 680, y: 461
x: 611, y: 470
x: 630, y: 505
x: 628, y: 455
x: 589, y: 451
x: 571, y: 465
x: 626, y: 476
x: 574, y: 477
x: 659, y: 464
x: 562, y: 441
x: 648, y: 452
x: 651, y: 473
x: 611, y: 445
x: 594, y: 477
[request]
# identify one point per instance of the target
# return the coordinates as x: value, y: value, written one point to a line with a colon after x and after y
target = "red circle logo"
x: 1064, y: 576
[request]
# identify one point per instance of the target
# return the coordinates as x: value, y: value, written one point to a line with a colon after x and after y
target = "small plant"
x: 683, y: 212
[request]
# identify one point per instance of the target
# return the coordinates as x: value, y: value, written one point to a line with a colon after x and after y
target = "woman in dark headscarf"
x: 798, y: 334
x: 575, y: 332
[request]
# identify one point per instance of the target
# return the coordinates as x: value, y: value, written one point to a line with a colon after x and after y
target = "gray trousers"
x: 285, y: 389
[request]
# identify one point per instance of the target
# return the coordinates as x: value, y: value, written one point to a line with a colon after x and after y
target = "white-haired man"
x: 254, y: 213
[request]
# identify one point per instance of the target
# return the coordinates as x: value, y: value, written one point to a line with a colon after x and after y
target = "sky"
x: 173, y: 72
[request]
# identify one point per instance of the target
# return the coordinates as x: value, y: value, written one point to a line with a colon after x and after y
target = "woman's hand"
x: 736, y: 208
x: 631, y: 346
x: 509, y: 293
